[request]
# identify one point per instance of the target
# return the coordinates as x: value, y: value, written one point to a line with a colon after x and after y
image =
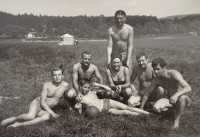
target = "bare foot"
x: 7, y: 121
x: 176, y: 124
x: 16, y: 124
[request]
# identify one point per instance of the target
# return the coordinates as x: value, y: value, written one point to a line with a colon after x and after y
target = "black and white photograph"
x: 100, y: 68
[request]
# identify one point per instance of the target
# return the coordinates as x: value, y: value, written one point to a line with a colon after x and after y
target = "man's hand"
x: 118, y: 88
x: 173, y: 99
x: 79, y: 97
x: 54, y: 115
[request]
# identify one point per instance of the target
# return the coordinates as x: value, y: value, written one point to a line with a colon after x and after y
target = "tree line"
x: 92, y: 26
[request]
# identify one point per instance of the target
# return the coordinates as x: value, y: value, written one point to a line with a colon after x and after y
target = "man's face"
x: 120, y: 19
x: 86, y: 59
x: 142, y: 62
x: 85, y: 89
x: 57, y: 76
x: 158, y: 70
x: 116, y: 63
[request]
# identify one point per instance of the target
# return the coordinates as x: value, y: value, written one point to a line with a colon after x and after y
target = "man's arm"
x: 148, y: 92
x: 75, y: 78
x: 110, y: 44
x: 102, y: 86
x: 98, y: 75
x: 185, y: 87
x: 43, y: 101
x: 130, y: 46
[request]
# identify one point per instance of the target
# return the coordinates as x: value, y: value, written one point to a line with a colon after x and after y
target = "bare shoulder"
x: 65, y: 84
x: 174, y: 74
x: 76, y: 66
x: 93, y: 66
x: 128, y: 27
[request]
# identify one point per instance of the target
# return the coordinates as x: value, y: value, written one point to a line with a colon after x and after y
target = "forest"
x: 83, y: 26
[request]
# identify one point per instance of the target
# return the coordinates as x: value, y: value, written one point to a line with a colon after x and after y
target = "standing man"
x: 120, y: 39
x: 176, y: 87
x: 145, y: 74
x: 84, y: 69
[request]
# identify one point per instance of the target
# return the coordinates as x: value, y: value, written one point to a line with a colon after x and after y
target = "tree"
x: 15, y: 31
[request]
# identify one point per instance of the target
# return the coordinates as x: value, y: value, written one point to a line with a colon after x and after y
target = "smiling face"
x: 85, y: 88
x: 158, y: 70
x: 57, y: 76
x: 86, y: 59
x: 142, y: 62
x: 120, y: 19
x: 116, y: 63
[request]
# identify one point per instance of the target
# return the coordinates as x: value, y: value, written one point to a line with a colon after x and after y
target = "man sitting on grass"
x: 176, y: 88
x: 40, y: 108
x: 90, y: 98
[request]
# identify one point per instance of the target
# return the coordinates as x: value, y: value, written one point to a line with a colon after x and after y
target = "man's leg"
x: 121, y: 106
x: 182, y: 102
x: 69, y: 95
x: 124, y: 59
x: 41, y: 117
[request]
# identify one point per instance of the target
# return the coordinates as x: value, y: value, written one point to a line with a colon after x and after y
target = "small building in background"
x: 68, y: 39
x: 193, y: 33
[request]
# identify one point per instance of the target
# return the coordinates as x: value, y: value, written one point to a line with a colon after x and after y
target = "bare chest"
x: 85, y: 73
x: 145, y: 75
x: 121, y: 35
x: 55, y: 91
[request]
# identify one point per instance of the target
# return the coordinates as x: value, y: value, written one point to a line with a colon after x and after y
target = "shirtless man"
x: 84, y: 69
x: 90, y: 98
x: 145, y: 74
x: 41, y: 108
x: 120, y: 39
x: 176, y: 88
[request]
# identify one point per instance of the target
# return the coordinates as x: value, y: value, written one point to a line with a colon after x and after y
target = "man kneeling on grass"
x: 90, y: 98
x: 40, y: 108
x: 176, y: 88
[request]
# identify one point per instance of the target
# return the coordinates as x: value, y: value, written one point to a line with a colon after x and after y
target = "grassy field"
x: 24, y: 67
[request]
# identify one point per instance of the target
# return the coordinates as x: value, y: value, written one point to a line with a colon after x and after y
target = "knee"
x: 182, y: 99
x: 131, y: 102
x: 30, y: 116
x: 160, y: 91
x: 46, y: 116
x: 71, y: 94
x: 128, y: 91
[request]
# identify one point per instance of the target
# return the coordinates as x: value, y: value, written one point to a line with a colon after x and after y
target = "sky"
x: 158, y: 8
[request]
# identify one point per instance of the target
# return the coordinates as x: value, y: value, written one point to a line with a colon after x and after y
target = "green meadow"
x: 24, y: 67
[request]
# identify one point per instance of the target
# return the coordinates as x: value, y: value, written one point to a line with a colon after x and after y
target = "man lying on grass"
x: 176, y: 88
x: 90, y: 98
x: 40, y: 108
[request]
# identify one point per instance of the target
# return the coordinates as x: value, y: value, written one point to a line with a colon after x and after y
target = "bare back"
x: 120, y: 38
x: 54, y: 94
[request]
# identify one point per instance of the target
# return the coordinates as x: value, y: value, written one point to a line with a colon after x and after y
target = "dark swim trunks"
x: 106, y: 105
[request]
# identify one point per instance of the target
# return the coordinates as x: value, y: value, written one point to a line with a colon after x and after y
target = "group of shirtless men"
x: 164, y: 88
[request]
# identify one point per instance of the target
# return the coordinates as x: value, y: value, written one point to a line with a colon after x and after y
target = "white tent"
x: 68, y: 39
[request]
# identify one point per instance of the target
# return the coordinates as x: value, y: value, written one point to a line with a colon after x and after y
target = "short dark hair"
x: 86, y: 52
x: 159, y: 61
x: 121, y: 12
x: 60, y: 67
x: 116, y: 55
x: 141, y: 54
x: 84, y: 81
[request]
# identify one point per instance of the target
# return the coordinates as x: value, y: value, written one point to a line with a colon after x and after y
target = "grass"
x: 24, y: 67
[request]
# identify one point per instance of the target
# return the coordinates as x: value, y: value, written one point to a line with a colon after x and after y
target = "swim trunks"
x: 106, y: 105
